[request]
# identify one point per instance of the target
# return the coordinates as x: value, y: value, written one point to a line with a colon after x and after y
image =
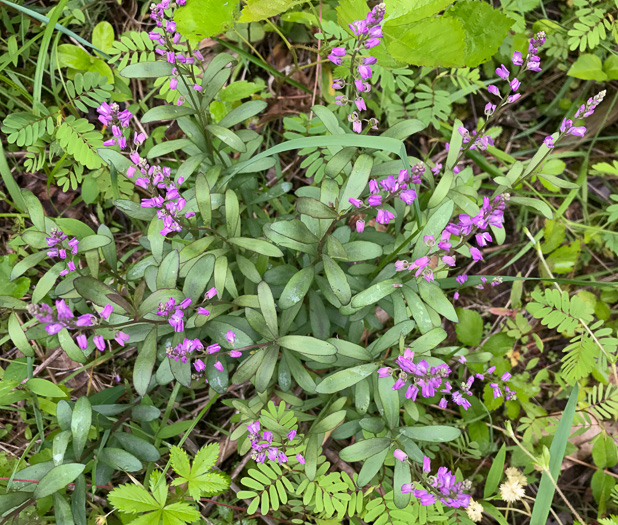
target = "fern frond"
x: 24, y: 129
x: 602, y: 402
x: 78, y: 138
x: 88, y: 90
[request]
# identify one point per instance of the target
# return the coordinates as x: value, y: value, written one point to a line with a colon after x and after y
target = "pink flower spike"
x: 578, y: 131
x: 130, y: 171
x: 199, y: 365
x: 300, y: 459
x: 360, y: 104
x: 230, y: 336
x: 219, y: 366
x: 449, y: 260
x: 235, y: 353
x: 203, y: 311
x: 518, y: 59
x: 515, y: 84
x: 426, y: 464
x: 360, y: 226
x: 107, y: 311
x: 210, y: 293
x: 197, y: 87
x: 549, y: 142
x: 493, y: 90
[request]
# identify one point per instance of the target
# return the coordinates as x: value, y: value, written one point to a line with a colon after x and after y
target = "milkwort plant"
x: 290, y: 289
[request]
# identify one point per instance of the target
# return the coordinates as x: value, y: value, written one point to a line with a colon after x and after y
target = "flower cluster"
x: 431, y: 380
x: 567, y: 127
x: 390, y: 188
x: 174, y: 313
x: 63, y: 317
x: 442, y: 487
x: 368, y: 33
x: 57, y: 248
x: 264, y: 448
x: 490, y: 214
x: 168, y: 40
x: 111, y: 116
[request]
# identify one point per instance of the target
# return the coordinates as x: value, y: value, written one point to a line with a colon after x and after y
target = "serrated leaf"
x: 132, y: 499
x: 256, y: 10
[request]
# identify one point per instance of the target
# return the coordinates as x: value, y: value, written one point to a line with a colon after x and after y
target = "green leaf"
x: 100, y: 294
x: 374, y: 293
x: 201, y: 19
x: 389, y: 399
x: 610, y: 66
x: 469, y: 330
x: 267, y: 368
x: 26, y: 263
x: 166, y: 112
x: 267, y: 306
x: 239, y: 90
x: 44, y: 388
x: 357, y: 181
x: 180, y: 462
x: 308, y: 346
x: 537, y: 204
x: 429, y: 340
x: 337, y: 280
x: 226, y: 136
x: 137, y: 446
x: 18, y: 337
x: 57, y: 478
x: 402, y: 476
x: 364, y: 449
x: 80, y: 424
x: 147, y: 70
x: 257, y: 246
x: 243, y: 112
x: 563, y: 259
x: 495, y: 473
x: 416, y: 43
x: 328, y: 423
x: 415, y: 10
x: 545, y: 496
x: 314, y: 208
x: 485, y: 29
x: 120, y: 459
x: 588, y: 67
x: 256, y: 10
x: 433, y: 433
x: 435, y: 225
x: 69, y: 55
x: 144, y: 364
x: 132, y: 499
x: 345, y: 378
x: 103, y: 36
x: 362, y: 251
x: 181, y: 511
x: 296, y: 288
x: 434, y: 297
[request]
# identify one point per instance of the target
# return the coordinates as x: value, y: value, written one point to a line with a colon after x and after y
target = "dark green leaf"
x: 345, y: 378
x: 57, y: 478
x: 364, y: 449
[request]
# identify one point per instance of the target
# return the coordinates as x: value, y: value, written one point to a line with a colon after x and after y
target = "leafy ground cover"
x: 309, y: 262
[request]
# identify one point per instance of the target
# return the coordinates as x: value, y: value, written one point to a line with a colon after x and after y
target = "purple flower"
x: 384, y: 216
x: 85, y: 320
x: 338, y: 83
x: 335, y: 59
x: 82, y: 341
x: 219, y: 366
x: 489, y: 110
x: 230, y: 336
x: 360, y: 226
x: 549, y: 142
x: 483, y: 238
x: 372, y: 42
x: 360, y: 104
x: 121, y: 338
x: 107, y: 311
x: 369, y: 61
x: 210, y: 293
x: 99, y: 342
x: 449, y: 260
x: 375, y: 200
x: 515, y: 84
x: 400, y: 455
x: 359, y: 27
x: 203, y: 311
x: 254, y: 428
x: 364, y: 71
x: 357, y: 126
x: 341, y: 100
x: 338, y: 51
x: 362, y: 87
x: 503, y: 72
x: 213, y: 348
x: 173, y: 83
x: 578, y: 131
x: 235, y: 353
x: 493, y: 90
x: 476, y: 254
x: 291, y: 435
x: 268, y: 436
x: 176, y: 321
x: 518, y: 59
x: 356, y: 202
x: 300, y: 459
x: 399, y: 384
x: 426, y: 464
x: 384, y: 372
x: 455, y: 296
x: 461, y: 278
x: 496, y: 390
x: 435, y: 170
x: 408, y: 196
x: 513, y: 98
x: 412, y: 392
x: 199, y: 365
